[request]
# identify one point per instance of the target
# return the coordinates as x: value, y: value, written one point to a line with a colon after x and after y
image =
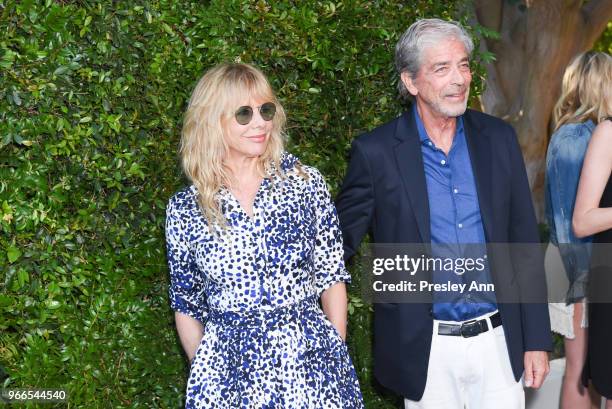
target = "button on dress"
x: 255, y: 286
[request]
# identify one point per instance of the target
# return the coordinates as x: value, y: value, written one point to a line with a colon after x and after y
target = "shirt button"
x: 455, y: 191
x: 460, y: 225
x: 443, y: 162
x: 429, y: 143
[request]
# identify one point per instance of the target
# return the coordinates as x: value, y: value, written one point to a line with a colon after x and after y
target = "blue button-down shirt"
x: 454, y: 214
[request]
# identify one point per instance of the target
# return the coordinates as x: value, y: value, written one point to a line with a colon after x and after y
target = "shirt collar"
x: 590, y: 124
x: 287, y: 162
x: 423, y: 132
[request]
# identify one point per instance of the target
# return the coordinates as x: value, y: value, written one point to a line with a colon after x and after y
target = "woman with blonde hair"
x: 253, y: 246
x: 593, y: 216
x: 582, y: 105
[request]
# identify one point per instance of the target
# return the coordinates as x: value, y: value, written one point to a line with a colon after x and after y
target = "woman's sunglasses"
x: 244, y: 114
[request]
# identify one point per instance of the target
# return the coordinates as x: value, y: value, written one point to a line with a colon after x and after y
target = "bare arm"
x: 588, y: 217
x: 190, y: 332
x: 335, y: 303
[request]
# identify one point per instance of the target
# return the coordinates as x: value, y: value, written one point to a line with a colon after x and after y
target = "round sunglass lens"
x: 243, y: 115
x: 267, y: 111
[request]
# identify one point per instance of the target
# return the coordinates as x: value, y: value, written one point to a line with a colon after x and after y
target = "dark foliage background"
x: 91, y: 100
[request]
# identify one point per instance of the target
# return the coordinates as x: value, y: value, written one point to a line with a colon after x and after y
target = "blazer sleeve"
x: 527, y: 259
x: 355, y: 203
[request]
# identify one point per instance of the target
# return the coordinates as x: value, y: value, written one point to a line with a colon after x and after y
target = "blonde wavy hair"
x: 586, y: 90
x: 203, y: 147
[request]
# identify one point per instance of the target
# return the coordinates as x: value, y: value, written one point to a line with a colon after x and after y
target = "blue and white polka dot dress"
x: 255, y: 286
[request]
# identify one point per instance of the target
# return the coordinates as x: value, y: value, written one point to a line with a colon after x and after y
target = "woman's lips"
x: 257, y: 138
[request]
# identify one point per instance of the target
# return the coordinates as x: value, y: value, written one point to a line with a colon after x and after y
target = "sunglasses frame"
x: 247, y: 109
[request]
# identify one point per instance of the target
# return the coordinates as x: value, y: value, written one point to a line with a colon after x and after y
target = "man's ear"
x: 409, y: 83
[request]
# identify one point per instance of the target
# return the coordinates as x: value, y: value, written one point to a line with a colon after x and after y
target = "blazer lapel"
x: 479, y: 147
x: 409, y: 161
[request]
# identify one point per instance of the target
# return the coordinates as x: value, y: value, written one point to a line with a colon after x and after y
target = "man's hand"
x: 536, y: 368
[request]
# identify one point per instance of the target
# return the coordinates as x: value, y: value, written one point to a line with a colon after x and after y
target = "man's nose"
x: 458, y: 76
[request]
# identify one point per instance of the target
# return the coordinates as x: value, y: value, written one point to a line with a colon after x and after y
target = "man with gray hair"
x: 444, y: 174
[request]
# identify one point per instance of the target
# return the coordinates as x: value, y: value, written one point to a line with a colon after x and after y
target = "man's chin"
x: 454, y: 111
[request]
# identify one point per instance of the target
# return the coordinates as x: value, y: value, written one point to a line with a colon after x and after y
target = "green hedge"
x: 91, y: 99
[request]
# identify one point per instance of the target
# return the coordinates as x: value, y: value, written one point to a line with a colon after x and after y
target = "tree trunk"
x: 537, y: 41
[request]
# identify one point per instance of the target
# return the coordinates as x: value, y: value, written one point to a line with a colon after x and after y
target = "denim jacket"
x: 564, y: 160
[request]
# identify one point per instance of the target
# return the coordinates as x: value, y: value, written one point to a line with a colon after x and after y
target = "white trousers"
x: 472, y: 373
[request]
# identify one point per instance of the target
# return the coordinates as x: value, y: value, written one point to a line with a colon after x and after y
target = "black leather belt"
x: 469, y: 328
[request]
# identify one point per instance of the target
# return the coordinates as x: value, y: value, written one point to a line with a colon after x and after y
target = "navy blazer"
x: 385, y: 193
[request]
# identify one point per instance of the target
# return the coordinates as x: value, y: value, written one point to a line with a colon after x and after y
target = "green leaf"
x: 61, y: 70
x: 16, y: 98
x: 7, y: 58
x: 22, y: 277
x: 13, y: 254
x: 53, y: 304
x: 6, y: 300
x: 167, y: 29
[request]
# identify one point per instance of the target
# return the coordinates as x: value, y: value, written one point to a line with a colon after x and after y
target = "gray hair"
x: 423, y: 33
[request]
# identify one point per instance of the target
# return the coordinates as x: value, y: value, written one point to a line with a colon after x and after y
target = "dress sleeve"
x: 186, y: 290
x: 328, y: 252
